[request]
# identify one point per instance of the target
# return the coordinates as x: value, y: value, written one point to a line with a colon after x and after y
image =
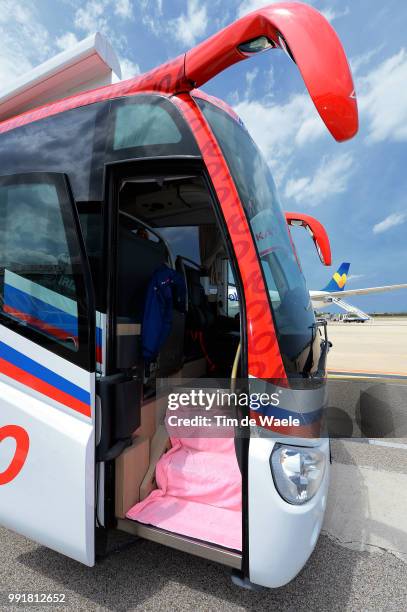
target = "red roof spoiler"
x: 317, y: 231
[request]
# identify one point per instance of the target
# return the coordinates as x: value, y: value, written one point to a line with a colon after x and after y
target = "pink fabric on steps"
x: 199, y: 492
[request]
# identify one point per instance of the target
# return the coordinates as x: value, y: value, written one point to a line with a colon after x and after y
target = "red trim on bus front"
x: 263, y: 351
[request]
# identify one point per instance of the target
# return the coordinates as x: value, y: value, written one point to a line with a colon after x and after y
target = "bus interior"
x: 188, y: 486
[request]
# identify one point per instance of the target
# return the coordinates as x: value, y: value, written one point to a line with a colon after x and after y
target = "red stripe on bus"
x: 313, y: 430
x: 99, y: 354
x: 39, y: 385
x: 54, y: 331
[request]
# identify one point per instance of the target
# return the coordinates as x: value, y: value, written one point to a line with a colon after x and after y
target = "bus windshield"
x: 289, y: 297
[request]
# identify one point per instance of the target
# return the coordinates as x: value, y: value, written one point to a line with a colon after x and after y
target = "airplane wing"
x: 366, y: 290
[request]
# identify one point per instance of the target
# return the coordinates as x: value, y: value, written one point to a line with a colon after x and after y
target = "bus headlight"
x: 297, y: 472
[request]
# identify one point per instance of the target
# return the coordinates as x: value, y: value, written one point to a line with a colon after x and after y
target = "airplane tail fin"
x: 338, y: 280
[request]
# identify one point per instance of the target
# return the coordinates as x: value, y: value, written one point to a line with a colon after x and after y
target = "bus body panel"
x: 282, y: 535
x: 51, y: 498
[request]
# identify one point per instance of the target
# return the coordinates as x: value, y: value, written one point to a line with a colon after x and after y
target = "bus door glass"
x: 47, y: 367
x: 291, y: 306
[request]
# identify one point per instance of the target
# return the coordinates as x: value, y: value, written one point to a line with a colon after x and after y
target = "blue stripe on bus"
x: 305, y: 418
x: 29, y: 305
x: 98, y: 336
x: 32, y: 367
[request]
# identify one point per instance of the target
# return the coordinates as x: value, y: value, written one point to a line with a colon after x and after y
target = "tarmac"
x: 378, y: 346
x: 367, y: 418
x: 141, y: 575
x: 360, y: 562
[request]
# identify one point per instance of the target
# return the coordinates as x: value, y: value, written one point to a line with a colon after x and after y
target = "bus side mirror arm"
x: 317, y: 232
x: 307, y: 38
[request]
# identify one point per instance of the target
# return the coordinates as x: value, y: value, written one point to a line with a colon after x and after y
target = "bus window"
x: 72, y: 142
x: 41, y: 291
x: 147, y: 126
x: 140, y: 125
x: 289, y: 297
x: 233, y: 306
x: 184, y: 241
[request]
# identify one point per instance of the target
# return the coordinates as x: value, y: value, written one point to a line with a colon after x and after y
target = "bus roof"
x: 301, y: 31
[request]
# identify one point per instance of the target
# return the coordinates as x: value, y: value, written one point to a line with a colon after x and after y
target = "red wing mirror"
x: 307, y: 38
x: 317, y: 232
x: 301, y: 31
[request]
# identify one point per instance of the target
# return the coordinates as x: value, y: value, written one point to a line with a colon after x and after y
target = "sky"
x: 357, y: 189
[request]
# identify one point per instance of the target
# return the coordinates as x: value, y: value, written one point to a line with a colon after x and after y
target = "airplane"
x: 335, y: 291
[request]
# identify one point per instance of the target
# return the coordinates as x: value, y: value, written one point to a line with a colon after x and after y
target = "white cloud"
x: 66, y: 41
x: 364, y: 58
x: 330, y: 14
x: 383, y: 99
x: 390, y: 221
x: 353, y: 277
x: 91, y: 17
x: 129, y: 68
x: 250, y: 78
x: 279, y: 128
x: 102, y: 16
x: 190, y: 26
x: 24, y: 41
x: 151, y: 14
x: 269, y: 79
x: 331, y: 178
x: 123, y: 9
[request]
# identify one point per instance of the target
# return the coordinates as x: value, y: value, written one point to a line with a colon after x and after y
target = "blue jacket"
x: 165, y: 292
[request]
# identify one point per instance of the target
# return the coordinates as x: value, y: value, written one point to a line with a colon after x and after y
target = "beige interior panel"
x: 147, y: 420
x: 131, y: 467
x: 160, y: 443
x: 161, y: 410
x: 135, y: 468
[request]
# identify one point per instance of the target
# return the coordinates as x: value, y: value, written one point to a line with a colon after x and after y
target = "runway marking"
x: 360, y: 374
x: 375, y: 442
x: 388, y: 444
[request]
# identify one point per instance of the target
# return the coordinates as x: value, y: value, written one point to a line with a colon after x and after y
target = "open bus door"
x: 47, y: 367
